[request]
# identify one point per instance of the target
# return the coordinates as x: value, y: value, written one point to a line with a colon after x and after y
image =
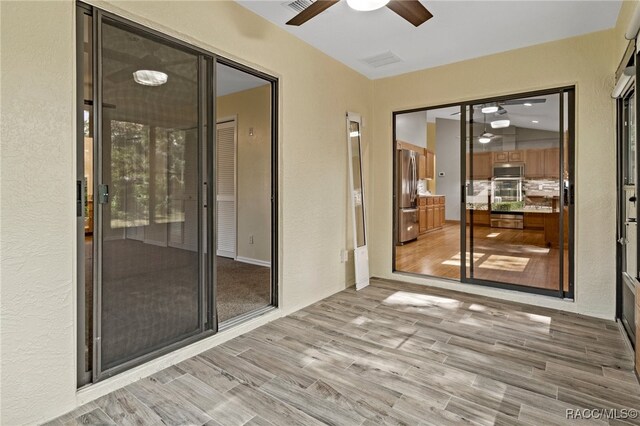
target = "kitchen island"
x: 536, y: 218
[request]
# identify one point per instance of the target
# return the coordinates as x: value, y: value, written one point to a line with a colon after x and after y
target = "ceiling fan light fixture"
x: 484, y: 139
x: 500, y: 124
x: 150, y: 77
x: 366, y: 5
x: 489, y: 109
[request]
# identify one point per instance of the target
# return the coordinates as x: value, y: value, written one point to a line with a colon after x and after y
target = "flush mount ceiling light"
x: 535, y: 121
x: 150, y: 77
x: 527, y: 104
x: 500, y: 124
x: 366, y: 5
x: 489, y: 109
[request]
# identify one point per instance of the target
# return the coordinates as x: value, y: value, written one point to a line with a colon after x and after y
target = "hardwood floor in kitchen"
x: 511, y: 256
x: 392, y: 353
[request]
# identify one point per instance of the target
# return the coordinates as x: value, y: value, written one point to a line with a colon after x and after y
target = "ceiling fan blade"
x: 316, y: 8
x: 411, y: 10
x: 524, y: 101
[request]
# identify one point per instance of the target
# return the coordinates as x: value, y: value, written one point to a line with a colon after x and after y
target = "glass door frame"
x: 621, y: 166
x: 206, y: 130
x: 466, y: 133
x: 464, y: 105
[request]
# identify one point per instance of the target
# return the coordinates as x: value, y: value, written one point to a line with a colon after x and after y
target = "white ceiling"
x: 230, y: 80
x: 459, y: 30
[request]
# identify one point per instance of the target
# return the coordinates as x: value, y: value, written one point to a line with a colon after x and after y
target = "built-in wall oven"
x: 507, y: 197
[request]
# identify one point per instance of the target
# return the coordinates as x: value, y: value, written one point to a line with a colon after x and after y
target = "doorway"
x: 503, y: 174
x: 147, y: 161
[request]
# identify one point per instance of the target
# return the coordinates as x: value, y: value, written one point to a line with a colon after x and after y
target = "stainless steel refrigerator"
x: 407, y: 196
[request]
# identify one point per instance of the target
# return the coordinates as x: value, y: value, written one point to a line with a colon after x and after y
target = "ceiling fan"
x: 411, y: 10
x: 497, y: 107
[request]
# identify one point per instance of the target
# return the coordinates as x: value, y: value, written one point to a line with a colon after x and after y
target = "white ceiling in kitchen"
x: 459, y: 30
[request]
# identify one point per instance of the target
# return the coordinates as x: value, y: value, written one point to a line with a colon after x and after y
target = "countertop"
x: 429, y: 195
x: 526, y: 209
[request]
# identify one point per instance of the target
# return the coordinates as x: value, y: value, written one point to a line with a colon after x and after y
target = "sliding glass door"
x: 518, y: 190
x: 493, y: 192
x: 149, y: 280
x: 150, y: 206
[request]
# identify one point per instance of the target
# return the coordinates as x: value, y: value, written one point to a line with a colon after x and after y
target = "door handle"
x: 622, y: 241
x: 79, y: 204
x: 103, y: 194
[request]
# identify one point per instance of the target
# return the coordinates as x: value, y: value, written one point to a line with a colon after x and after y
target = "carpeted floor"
x: 242, y: 288
x: 150, y: 295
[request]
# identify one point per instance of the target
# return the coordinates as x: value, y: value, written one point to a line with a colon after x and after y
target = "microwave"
x: 508, y: 171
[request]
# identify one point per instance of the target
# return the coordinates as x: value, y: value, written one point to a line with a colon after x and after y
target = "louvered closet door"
x: 226, y: 188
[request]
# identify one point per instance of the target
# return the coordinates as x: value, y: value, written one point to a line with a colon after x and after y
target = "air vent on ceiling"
x: 298, y: 5
x: 381, y: 59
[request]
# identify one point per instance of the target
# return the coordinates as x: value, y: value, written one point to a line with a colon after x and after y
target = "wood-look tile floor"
x: 513, y: 256
x: 392, y: 353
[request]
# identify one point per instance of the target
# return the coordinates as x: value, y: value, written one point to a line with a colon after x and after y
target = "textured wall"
x: 38, y: 179
x: 586, y: 62
x: 37, y: 216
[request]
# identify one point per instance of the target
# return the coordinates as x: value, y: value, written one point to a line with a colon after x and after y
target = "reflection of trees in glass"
x: 129, y: 190
x: 146, y: 188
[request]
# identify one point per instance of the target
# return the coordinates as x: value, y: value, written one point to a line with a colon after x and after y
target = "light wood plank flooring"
x: 392, y: 353
x: 504, y: 255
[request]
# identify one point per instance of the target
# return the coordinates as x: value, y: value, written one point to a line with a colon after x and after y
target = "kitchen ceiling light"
x: 366, y: 5
x: 500, y: 124
x: 527, y: 104
x: 484, y: 140
x: 535, y: 121
x: 489, y: 109
x: 150, y: 77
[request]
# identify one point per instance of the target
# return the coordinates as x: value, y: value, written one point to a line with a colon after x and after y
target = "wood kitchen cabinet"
x: 551, y: 163
x: 534, y: 220
x: 534, y: 163
x: 480, y: 217
x: 482, y: 166
x: 431, y: 213
x: 422, y: 166
x: 508, y: 157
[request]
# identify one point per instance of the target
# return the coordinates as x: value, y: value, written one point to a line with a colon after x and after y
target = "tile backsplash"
x: 542, y: 187
x: 533, y: 187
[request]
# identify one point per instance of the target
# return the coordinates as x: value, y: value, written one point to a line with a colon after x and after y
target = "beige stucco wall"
x: 37, y: 222
x: 587, y: 62
x: 252, y: 109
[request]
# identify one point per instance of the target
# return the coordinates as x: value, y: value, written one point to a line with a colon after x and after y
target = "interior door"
x: 226, y: 151
x: 627, y: 221
x: 149, y: 176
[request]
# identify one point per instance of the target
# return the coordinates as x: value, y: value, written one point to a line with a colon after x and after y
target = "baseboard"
x: 254, y: 261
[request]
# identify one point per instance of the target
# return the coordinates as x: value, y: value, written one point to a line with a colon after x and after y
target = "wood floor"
x: 504, y: 255
x: 392, y: 353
